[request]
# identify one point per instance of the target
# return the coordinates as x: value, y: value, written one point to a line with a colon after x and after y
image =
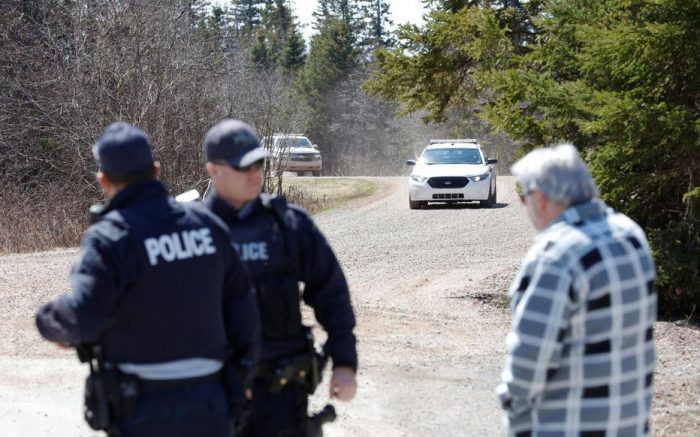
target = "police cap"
x: 123, y: 149
x: 235, y: 142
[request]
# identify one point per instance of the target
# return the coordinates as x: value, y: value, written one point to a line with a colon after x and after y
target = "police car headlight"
x: 419, y: 179
x: 317, y: 157
x: 480, y: 177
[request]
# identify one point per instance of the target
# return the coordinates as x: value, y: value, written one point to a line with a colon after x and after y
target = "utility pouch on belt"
x: 97, y: 411
x: 110, y: 395
x: 304, y: 369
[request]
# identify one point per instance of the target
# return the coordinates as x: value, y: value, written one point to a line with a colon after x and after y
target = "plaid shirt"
x: 581, y: 351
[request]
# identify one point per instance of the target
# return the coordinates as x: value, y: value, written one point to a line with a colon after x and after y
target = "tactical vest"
x: 169, y: 311
x: 265, y: 245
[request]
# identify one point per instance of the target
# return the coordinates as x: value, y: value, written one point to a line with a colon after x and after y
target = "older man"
x: 581, y: 351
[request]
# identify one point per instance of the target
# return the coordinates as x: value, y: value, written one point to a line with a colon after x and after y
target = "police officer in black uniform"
x: 282, y: 247
x: 163, y: 294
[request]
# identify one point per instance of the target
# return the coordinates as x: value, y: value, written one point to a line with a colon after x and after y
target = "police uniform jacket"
x: 290, y: 249
x: 157, y: 281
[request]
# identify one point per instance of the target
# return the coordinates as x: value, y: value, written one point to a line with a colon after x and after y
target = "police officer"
x: 163, y: 293
x: 281, y: 247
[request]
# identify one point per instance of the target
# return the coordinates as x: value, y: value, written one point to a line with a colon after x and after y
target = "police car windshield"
x: 289, y: 142
x: 451, y: 156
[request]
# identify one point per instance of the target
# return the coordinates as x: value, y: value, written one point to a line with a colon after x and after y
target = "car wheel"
x: 316, y: 173
x: 491, y: 201
x: 414, y: 204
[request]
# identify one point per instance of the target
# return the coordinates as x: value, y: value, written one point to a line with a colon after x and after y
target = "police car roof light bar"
x: 461, y: 140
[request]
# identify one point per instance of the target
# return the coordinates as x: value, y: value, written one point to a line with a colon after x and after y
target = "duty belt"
x: 288, y: 370
x: 150, y: 385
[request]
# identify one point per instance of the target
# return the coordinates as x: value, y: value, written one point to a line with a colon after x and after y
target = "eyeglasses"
x: 257, y: 165
x: 523, y: 195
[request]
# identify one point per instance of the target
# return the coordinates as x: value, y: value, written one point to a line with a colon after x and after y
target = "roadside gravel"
x: 429, y: 292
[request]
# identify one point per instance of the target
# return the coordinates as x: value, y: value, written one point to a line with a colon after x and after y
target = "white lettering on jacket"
x: 255, y: 251
x: 177, y: 246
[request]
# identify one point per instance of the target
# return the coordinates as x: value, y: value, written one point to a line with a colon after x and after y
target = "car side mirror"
x: 411, y: 162
x: 492, y: 161
x: 315, y: 146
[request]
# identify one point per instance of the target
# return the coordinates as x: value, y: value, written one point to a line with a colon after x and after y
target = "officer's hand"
x: 64, y: 346
x: 343, y: 384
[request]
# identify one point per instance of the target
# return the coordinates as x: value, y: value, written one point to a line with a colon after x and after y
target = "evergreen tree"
x: 618, y: 79
x: 247, y: 16
x: 294, y: 54
x: 377, y: 19
x: 334, y: 51
x: 333, y: 56
x: 262, y: 55
x: 277, y: 42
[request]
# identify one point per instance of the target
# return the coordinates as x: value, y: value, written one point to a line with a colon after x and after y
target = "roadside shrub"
x: 41, y: 219
x: 677, y: 254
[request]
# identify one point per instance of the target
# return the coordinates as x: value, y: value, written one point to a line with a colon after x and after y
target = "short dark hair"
x: 133, y: 177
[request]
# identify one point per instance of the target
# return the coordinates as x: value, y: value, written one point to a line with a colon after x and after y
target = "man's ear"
x: 156, y: 169
x: 540, y: 200
x: 212, y: 169
x: 105, y: 183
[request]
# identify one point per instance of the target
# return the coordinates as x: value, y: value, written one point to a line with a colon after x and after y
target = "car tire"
x: 316, y: 173
x: 491, y: 201
x: 414, y: 204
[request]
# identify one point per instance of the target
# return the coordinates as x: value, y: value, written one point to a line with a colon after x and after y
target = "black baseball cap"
x: 235, y: 142
x: 123, y: 149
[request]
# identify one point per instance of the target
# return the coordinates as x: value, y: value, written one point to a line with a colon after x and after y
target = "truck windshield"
x: 289, y: 142
x: 451, y: 156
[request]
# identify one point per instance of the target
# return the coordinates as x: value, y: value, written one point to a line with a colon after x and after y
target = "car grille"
x: 441, y: 196
x: 448, y: 182
x: 301, y: 157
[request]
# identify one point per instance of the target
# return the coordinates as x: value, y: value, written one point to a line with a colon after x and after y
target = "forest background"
x: 620, y: 79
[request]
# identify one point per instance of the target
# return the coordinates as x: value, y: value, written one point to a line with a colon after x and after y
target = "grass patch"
x: 41, y: 219
x: 50, y: 218
x: 321, y: 194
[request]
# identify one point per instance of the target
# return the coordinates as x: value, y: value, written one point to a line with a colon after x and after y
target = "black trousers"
x: 187, y: 411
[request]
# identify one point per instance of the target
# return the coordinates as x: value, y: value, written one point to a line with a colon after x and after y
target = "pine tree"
x: 294, y: 54
x: 247, y: 16
x: 261, y: 53
x: 278, y: 43
x: 377, y: 22
x: 329, y: 80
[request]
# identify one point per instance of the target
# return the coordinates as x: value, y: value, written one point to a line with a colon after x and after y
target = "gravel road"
x: 429, y: 292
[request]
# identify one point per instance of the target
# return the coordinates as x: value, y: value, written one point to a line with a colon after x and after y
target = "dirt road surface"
x: 429, y: 292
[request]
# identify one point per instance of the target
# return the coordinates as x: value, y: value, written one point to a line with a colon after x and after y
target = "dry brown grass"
x: 53, y: 218
x: 40, y: 220
x: 320, y: 194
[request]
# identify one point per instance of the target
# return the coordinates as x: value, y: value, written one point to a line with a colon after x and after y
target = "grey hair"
x: 559, y: 172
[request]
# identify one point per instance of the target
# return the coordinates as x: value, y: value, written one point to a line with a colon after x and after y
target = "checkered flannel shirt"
x: 581, y: 351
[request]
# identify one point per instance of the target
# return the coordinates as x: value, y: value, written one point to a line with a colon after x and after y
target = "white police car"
x: 452, y: 171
